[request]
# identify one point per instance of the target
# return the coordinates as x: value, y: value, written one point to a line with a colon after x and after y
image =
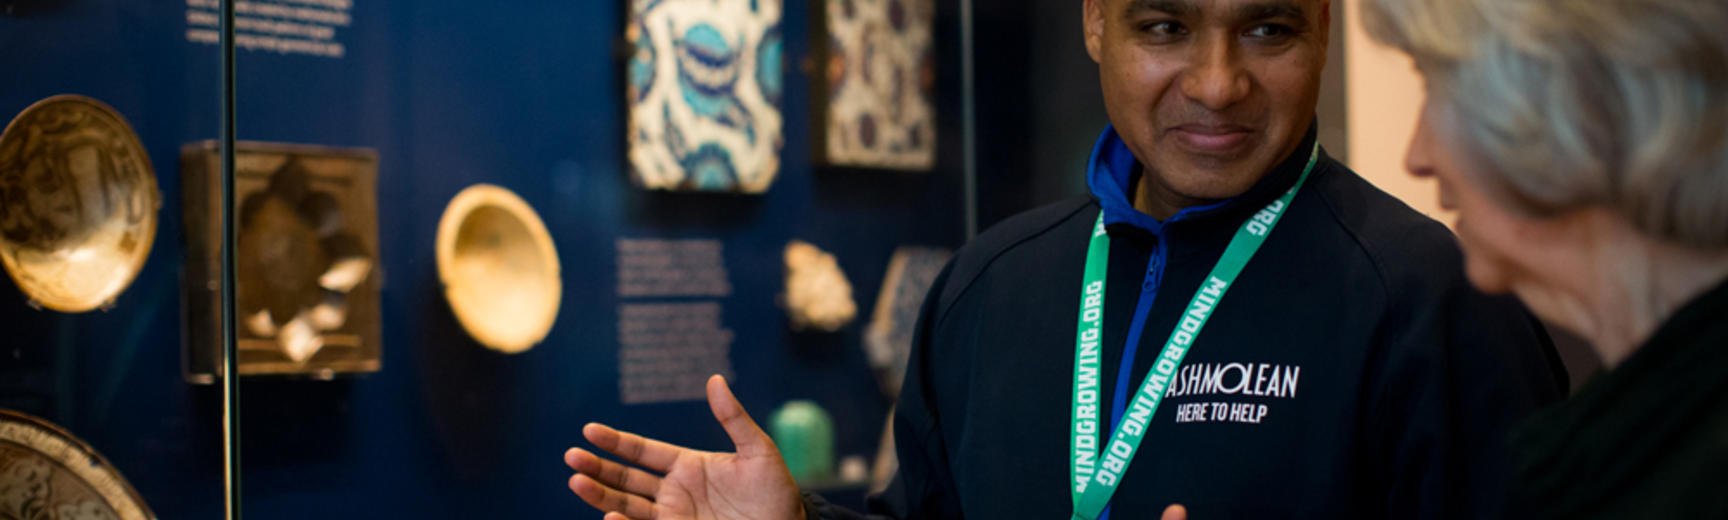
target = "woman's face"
x: 1505, y: 250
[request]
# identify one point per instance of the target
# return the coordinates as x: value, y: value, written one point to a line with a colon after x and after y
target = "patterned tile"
x: 880, y: 79
x: 704, y: 85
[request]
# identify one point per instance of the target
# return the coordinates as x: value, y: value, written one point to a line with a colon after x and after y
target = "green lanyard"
x: 1096, y: 473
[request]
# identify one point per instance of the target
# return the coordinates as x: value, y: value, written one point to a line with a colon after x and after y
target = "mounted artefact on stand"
x: 307, y: 293
x: 78, y: 203
x: 499, y: 268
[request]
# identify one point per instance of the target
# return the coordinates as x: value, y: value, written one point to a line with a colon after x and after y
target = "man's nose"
x: 1216, y: 78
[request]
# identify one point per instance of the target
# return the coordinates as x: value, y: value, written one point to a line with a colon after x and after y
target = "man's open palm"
x: 682, y: 483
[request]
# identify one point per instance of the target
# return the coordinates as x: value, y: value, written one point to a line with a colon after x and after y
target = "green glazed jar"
x: 805, y: 435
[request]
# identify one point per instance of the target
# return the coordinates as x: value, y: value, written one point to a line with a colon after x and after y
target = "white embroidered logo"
x: 1250, y: 379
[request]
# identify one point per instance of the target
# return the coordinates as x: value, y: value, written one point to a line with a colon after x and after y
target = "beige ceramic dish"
x: 78, y: 203
x: 499, y: 268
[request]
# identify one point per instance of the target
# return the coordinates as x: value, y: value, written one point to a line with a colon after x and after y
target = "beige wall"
x: 1384, y: 95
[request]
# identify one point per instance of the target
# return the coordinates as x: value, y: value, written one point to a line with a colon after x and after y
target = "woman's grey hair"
x: 1570, y: 104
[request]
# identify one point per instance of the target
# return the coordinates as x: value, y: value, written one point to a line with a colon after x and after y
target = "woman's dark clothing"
x: 1648, y: 439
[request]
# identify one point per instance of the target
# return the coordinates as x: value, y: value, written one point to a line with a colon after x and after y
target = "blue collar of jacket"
x: 1110, y: 174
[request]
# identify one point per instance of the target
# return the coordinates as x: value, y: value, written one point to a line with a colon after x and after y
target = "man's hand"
x: 1175, y: 512
x: 681, y: 483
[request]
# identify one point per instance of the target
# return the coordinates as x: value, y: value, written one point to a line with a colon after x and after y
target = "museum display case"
x: 458, y: 234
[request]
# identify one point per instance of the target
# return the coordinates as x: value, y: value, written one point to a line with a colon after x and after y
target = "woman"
x: 1584, y: 145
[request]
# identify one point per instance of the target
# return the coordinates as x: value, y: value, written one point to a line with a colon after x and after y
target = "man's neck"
x: 1154, y: 198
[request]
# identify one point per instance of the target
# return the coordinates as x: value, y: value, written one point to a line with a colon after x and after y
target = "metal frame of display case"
x: 968, y: 121
x: 230, y: 368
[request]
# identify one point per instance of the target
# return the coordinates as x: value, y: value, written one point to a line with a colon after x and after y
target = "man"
x: 1236, y: 323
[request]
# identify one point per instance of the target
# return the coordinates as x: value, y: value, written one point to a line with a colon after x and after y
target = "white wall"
x: 1384, y: 95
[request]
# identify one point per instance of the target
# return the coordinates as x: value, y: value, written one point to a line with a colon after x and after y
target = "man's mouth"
x: 1210, y: 138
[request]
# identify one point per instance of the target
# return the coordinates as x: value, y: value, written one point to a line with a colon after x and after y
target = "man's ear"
x: 1092, y: 23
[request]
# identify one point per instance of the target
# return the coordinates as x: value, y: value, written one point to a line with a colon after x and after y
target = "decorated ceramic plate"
x: 47, y: 473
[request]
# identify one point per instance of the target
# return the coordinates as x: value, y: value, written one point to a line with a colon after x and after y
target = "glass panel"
x: 101, y: 96
x: 468, y: 230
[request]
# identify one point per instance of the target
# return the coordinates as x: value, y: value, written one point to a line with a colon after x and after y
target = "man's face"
x: 1209, y: 94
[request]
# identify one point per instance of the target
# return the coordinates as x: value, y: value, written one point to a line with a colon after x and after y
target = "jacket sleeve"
x: 1456, y: 370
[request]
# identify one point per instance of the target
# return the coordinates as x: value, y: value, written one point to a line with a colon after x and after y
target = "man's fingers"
x: 746, y: 436
x: 1175, y: 512
x: 608, y: 499
x: 636, y: 449
x: 615, y: 475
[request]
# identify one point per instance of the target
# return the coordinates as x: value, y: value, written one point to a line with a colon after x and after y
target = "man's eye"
x: 1270, y: 31
x: 1165, y: 28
